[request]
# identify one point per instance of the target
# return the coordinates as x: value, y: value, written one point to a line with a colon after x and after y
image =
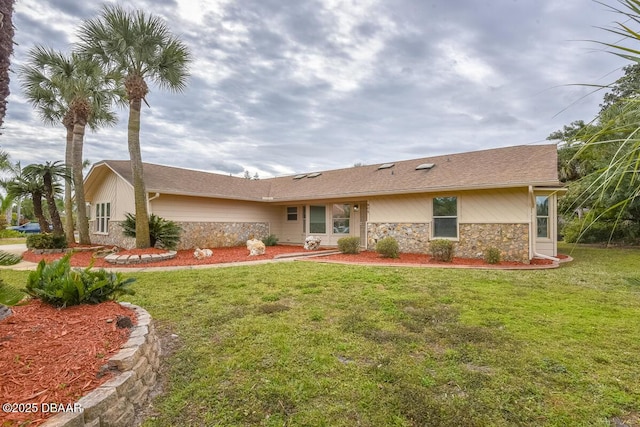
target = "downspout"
x: 149, y: 202
x: 532, y: 232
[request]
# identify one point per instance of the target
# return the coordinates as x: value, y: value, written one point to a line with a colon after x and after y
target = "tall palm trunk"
x: 143, y: 239
x: 51, y: 204
x: 38, y: 212
x: 78, y: 184
x: 68, y: 200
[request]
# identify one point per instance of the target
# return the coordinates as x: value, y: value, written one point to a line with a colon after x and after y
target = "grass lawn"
x: 12, y: 240
x: 306, y: 344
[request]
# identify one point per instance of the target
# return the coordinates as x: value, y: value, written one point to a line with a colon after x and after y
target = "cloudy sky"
x: 280, y: 87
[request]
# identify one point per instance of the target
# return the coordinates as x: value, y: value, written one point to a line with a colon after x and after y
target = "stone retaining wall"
x: 411, y: 237
x: 511, y: 239
x: 114, y: 403
x: 194, y: 234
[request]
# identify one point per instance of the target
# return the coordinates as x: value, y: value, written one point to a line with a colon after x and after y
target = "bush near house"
x: 349, y: 245
x: 163, y: 233
x: 492, y: 255
x: 441, y: 250
x: 388, y: 248
x: 270, y: 240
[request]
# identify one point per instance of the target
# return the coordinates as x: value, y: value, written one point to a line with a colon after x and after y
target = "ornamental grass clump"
x: 349, y: 245
x: 441, y: 250
x: 58, y: 284
x: 388, y: 248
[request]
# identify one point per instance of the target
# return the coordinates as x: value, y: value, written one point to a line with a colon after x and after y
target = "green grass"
x: 13, y: 240
x: 306, y: 344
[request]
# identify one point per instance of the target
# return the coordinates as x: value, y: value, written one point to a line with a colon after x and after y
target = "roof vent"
x: 424, y: 166
x: 386, y: 166
x: 300, y: 176
x: 313, y: 175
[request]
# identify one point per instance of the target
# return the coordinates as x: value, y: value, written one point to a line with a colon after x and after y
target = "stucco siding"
x: 494, y: 206
x: 290, y: 231
x: 200, y: 209
x: 125, y: 201
x: 400, y: 209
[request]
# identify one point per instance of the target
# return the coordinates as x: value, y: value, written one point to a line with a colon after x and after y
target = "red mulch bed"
x: 53, y: 356
x: 423, y: 259
x: 184, y: 257
x: 240, y: 253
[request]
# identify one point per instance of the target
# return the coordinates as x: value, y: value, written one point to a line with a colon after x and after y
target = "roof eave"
x: 556, y: 185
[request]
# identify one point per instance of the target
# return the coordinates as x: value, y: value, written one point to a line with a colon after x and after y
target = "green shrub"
x: 8, y: 295
x: 388, y: 247
x: 270, y: 240
x: 7, y: 234
x: 46, y: 241
x: 59, y: 285
x: 441, y: 250
x: 586, y: 231
x: 349, y: 245
x: 7, y: 258
x: 492, y: 255
x: 163, y: 233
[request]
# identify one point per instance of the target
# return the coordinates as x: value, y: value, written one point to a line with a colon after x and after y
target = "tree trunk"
x: 38, y: 212
x: 140, y: 192
x: 51, y: 204
x: 68, y: 200
x: 78, y: 184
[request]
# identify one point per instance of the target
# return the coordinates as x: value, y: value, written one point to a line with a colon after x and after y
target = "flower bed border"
x: 139, y: 259
x: 114, y: 402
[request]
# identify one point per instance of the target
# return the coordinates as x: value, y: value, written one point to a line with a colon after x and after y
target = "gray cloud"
x: 283, y: 87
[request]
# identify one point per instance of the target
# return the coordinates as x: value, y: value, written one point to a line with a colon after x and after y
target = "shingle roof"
x: 500, y: 167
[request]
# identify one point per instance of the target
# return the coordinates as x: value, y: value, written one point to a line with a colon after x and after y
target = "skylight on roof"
x: 424, y: 166
x: 300, y: 176
x: 313, y: 175
x: 386, y: 166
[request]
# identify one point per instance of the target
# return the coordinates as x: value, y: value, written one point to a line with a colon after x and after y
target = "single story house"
x: 503, y: 197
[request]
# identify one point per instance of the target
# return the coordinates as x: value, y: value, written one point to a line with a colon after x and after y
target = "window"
x: 318, y: 219
x: 445, y: 217
x: 341, y: 215
x: 103, y: 214
x: 292, y: 213
x: 542, y: 216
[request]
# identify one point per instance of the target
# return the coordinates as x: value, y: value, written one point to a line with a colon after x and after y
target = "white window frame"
x: 103, y: 216
x: 292, y: 213
x: 436, y: 217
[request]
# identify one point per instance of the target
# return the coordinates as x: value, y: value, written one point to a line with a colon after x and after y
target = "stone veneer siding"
x: 411, y: 237
x: 194, y: 234
x: 511, y: 239
x: 114, y: 403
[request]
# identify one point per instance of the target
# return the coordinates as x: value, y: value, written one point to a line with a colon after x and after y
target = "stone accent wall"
x: 220, y: 234
x: 114, y: 238
x: 411, y: 237
x: 114, y: 403
x: 511, y: 239
x: 194, y: 234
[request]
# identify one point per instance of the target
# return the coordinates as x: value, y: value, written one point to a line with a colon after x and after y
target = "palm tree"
x: 49, y: 174
x: 6, y: 49
x: 140, y: 48
x: 30, y: 186
x: 74, y: 91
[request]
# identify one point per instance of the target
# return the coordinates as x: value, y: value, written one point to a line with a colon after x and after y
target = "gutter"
x: 149, y: 199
